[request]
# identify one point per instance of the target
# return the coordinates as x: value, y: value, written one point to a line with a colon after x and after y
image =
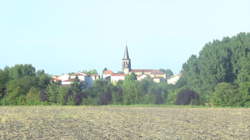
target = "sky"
x: 62, y: 36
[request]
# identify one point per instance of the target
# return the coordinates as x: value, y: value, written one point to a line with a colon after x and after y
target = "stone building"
x: 155, y: 74
x: 126, y: 62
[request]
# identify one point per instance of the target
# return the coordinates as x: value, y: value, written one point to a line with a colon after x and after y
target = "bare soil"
x: 128, y: 123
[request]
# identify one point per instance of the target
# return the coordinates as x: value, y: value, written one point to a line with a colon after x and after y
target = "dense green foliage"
x: 224, y: 95
x: 187, y: 97
x: 227, y: 62
x: 219, y: 75
x: 168, y: 72
x: 23, y: 85
x: 103, y: 93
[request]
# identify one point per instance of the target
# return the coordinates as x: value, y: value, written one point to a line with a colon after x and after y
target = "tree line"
x: 23, y: 85
x: 221, y: 72
x: 219, y: 76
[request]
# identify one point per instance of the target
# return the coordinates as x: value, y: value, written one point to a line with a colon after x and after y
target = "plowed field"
x: 118, y: 123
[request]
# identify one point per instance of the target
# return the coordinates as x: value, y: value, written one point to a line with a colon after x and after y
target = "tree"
x: 191, y: 73
x: 151, y: 92
x: 226, y: 94
x: 225, y: 60
x: 19, y: 87
x: 76, y: 93
x: 168, y: 72
x: 93, y: 71
x: 131, y: 93
x: 244, y: 89
x: 187, y: 97
x: 62, y: 97
x: 244, y: 73
x: 105, y: 69
x: 20, y: 70
x: 33, y: 96
x: 43, y: 79
x: 16, y: 82
x: 53, y: 91
x: 117, y: 94
x: 4, y: 77
x: 102, y: 92
x: 13, y: 95
x: 131, y: 77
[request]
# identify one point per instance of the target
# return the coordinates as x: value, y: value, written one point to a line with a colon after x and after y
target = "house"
x: 115, y: 77
x: 107, y: 74
x: 68, y: 79
x: 155, y: 74
x: 174, y: 79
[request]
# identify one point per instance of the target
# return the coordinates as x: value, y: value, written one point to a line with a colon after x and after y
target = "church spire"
x: 126, y: 55
x: 126, y: 62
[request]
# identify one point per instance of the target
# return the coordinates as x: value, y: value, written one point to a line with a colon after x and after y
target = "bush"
x: 226, y: 94
x: 32, y: 97
x: 244, y: 89
x: 187, y: 97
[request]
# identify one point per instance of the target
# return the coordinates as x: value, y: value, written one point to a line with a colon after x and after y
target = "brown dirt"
x: 100, y: 123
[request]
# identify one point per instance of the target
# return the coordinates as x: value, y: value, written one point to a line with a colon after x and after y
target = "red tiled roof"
x: 148, y: 70
x: 158, y: 72
x: 143, y: 75
x: 143, y: 70
x: 70, y: 80
x: 55, y: 79
x: 108, y: 72
x: 118, y: 74
x: 78, y: 74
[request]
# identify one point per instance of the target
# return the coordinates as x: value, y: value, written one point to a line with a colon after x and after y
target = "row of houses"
x: 68, y: 79
x: 155, y: 74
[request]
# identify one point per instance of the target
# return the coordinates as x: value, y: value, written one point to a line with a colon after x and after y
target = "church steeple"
x: 126, y: 55
x: 126, y: 62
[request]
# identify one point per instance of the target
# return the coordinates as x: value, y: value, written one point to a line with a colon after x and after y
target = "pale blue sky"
x: 63, y: 36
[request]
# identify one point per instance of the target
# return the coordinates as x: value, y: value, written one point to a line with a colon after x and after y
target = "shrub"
x: 187, y: 97
x: 226, y: 94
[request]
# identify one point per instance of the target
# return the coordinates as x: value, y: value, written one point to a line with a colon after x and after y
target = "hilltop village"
x: 155, y: 74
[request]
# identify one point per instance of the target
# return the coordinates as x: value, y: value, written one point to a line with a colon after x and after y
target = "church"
x: 155, y: 74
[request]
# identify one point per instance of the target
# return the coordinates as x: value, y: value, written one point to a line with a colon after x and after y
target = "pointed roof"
x: 126, y: 55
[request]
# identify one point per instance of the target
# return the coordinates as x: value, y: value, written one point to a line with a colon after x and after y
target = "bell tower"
x: 126, y: 62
